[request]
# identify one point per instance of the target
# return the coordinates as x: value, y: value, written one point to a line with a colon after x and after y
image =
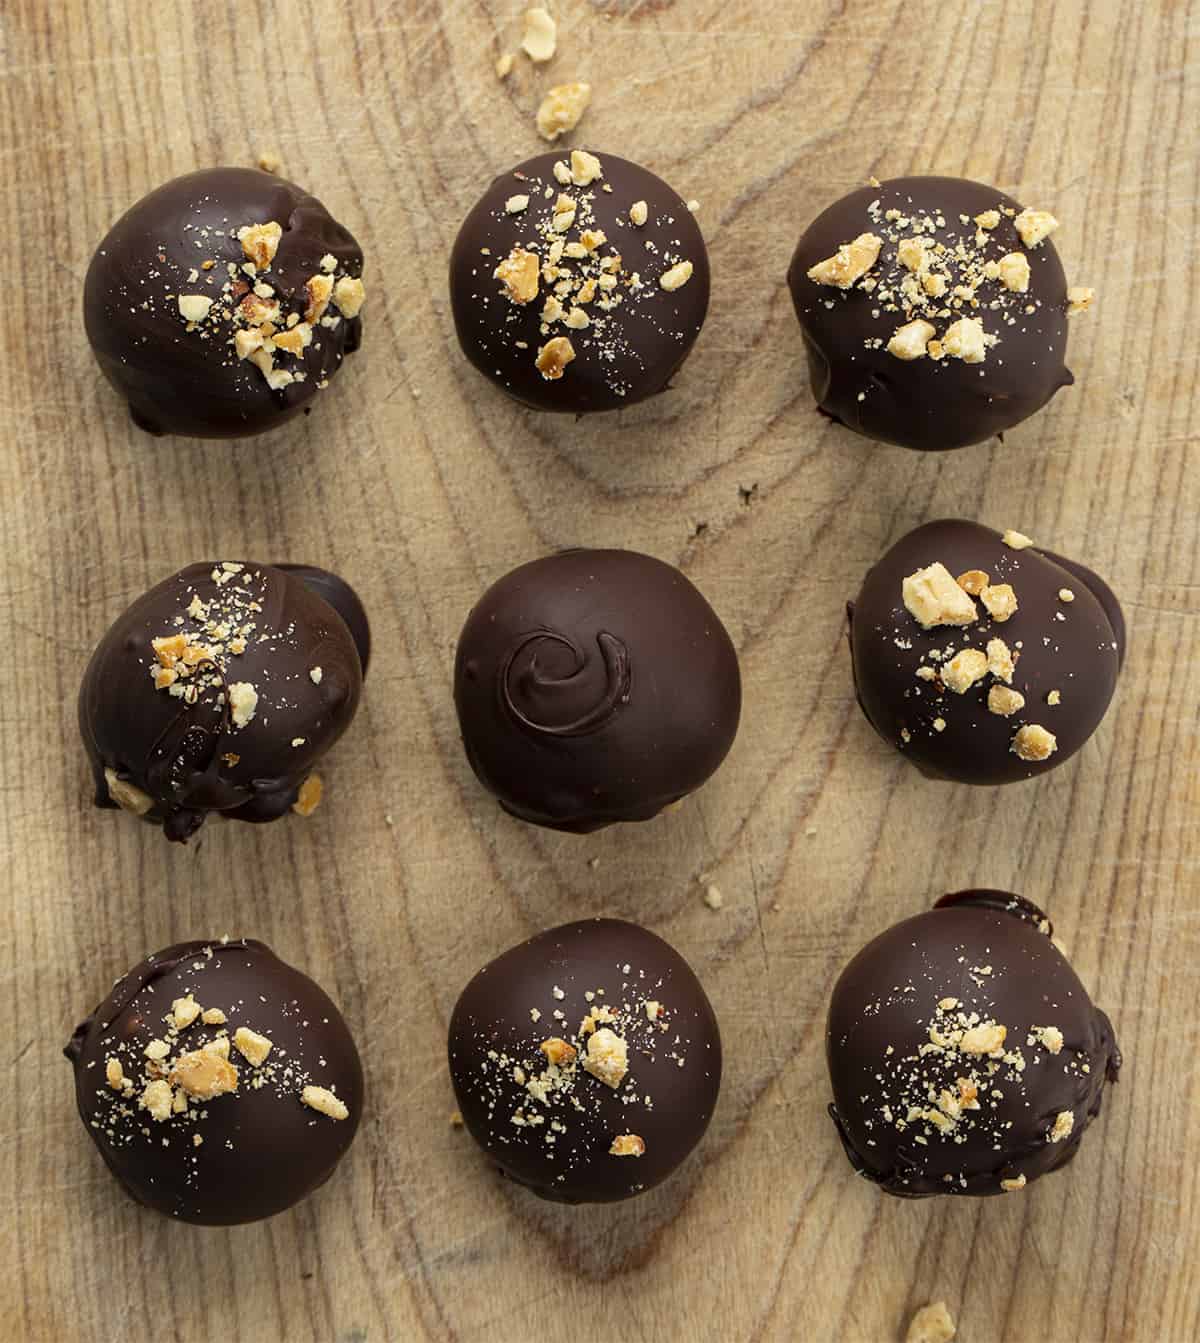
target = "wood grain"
x: 422, y: 484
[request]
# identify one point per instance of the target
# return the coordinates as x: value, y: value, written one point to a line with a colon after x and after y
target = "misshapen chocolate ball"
x: 579, y: 282
x: 965, y: 1055
x: 981, y: 657
x: 219, y: 690
x: 220, y: 1084
x: 586, y: 1061
x: 219, y: 305
x: 934, y: 311
x: 594, y: 686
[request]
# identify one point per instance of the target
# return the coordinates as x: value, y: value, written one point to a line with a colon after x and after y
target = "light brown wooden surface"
x: 421, y: 484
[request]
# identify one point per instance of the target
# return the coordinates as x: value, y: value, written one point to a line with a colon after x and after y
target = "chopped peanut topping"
x: 243, y: 701
x: 934, y: 598
x: 910, y: 340
x: 1001, y: 662
x: 203, y: 1073
x: 554, y: 357
x: 349, y: 295
x: 319, y: 289
x: 1005, y: 702
x: 1049, y: 1037
x: 931, y: 1324
x: 519, y: 272
x: 1000, y: 601
x: 639, y: 212
x: 260, y: 242
x: 562, y: 108
x: 194, y: 307
x: 253, y: 1047
x: 1016, y: 540
x: 558, y: 1051
x: 213, y: 1016
x: 1079, y: 299
x: 1013, y: 271
x: 540, y: 37
x: 1034, y: 743
x: 963, y: 670
x: 318, y: 1098
x: 1064, y: 1122
x: 1011, y: 1186
x: 125, y: 795
x: 964, y: 340
x: 607, y: 1057
x: 850, y: 262
x: 585, y: 168
x: 987, y: 1038
x: 184, y: 1011
x: 157, y: 1098
x: 627, y: 1144
x: 309, y: 798
x: 676, y: 277
x: 973, y: 581
x: 1034, y: 226
x: 114, y: 1074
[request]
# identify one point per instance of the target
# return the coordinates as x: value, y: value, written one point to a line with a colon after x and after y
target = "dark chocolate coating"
x: 594, y: 686
x: 932, y: 405
x: 559, y: 1146
x: 630, y: 351
x: 181, y: 755
x: 193, y: 383
x: 262, y: 1148
x: 1073, y: 647
x: 993, y: 953
x: 344, y: 600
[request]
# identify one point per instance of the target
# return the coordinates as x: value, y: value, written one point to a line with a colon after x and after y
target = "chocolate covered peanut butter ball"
x: 934, y: 311
x: 965, y: 1055
x: 220, y: 1084
x: 579, y: 282
x: 220, y: 304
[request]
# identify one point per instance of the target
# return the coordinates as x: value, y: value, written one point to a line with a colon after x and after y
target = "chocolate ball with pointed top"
x: 220, y: 1084
x: 934, y: 311
x: 964, y: 1053
x: 579, y: 282
x: 586, y: 1061
x: 594, y: 686
x: 982, y: 657
x: 219, y: 690
x: 220, y: 304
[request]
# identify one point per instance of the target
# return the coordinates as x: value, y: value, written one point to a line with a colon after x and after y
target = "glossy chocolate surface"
x: 1073, y: 647
x: 187, y: 378
x: 637, y: 334
x: 928, y: 1096
x: 176, y: 753
x: 926, y: 403
x: 594, y: 686
x: 552, y: 1125
x: 236, y: 1155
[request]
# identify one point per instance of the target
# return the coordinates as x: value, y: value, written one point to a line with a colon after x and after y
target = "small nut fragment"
x: 1064, y: 1122
x: 585, y: 168
x: 913, y: 254
x: 934, y: 598
x: 1065, y: 595
x: 269, y: 161
x: 931, y: 1324
x: 639, y: 212
x: 504, y: 65
x: 318, y: 1098
x: 1034, y: 226
x: 219, y: 1047
x: 245, y: 342
x: 910, y: 340
x: 319, y: 289
x: 203, y: 1073
x: 260, y: 242
x: 676, y: 277
x: 554, y: 357
x: 243, y: 701
x: 1005, y: 702
x: 515, y: 204
x: 212, y: 1016
x: 577, y: 319
x: 607, y: 1057
x: 309, y: 797
x: 253, y: 1047
x: 1011, y: 1186
x: 1001, y: 662
x: 988, y: 219
x: 157, y: 1098
x: 194, y: 307
x: 850, y: 262
x: 519, y: 272
x: 565, y: 209
x: 184, y: 1011
x: 157, y: 1050
x: 627, y: 1144
x: 1013, y: 270
x: 562, y: 108
x: 558, y: 1051
x: 1033, y: 742
x: 114, y: 1074
x: 540, y: 36
x: 964, y: 340
x: 1054, y: 698
x: 1049, y: 1037
x: 963, y: 670
x: 973, y: 581
x: 1079, y: 299
x: 987, y: 1038
x: 1016, y: 540
x: 125, y: 795
x: 295, y: 341
x: 349, y: 296
x: 999, y: 600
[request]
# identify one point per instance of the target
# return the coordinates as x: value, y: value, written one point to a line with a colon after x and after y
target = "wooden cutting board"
x: 422, y: 484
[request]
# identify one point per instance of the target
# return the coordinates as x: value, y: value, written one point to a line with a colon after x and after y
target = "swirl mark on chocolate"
x: 530, y: 682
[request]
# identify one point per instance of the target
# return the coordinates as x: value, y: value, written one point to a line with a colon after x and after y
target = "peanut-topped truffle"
x: 586, y: 1061
x: 965, y: 1055
x: 220, y: 1084
x: 219, y: 690
x: 219, y: 305
x: 981, y: 657
x: 934, y: 311
x: 579, y: 282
